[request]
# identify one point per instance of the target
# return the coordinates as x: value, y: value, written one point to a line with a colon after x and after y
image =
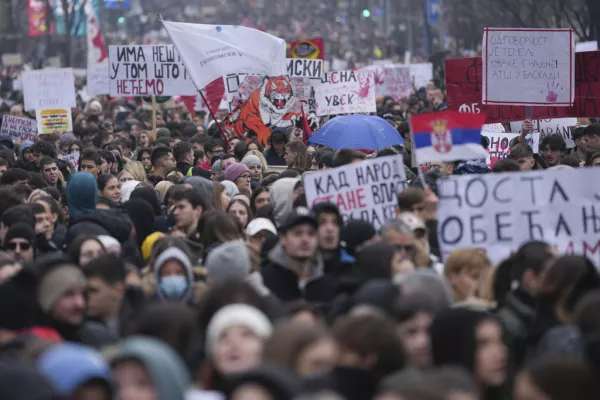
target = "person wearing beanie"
x: 235, y: 338
x: 174, y: 276
x: 61, y: 297
x: 203, y: 186
x: 239, y: 174
x: 76, y: 371
x: 255, y: 166
x: 82, y: 194
x: 229, y: 260
x: 356, y: 234
x: 20, y: 242
x: 216, y: 172
x: 232, y: 189
x: 472, y: 340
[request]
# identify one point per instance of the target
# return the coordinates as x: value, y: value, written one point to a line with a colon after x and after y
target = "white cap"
x: 260, y: 224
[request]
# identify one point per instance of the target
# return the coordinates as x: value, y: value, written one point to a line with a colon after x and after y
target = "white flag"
x: 212, y: 51
x: 97, y: 59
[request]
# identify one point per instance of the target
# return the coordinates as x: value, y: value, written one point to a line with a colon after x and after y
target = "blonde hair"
x: 466, y: 259
x: 162, y: 187
x: 263, y: 160
x: 136, y: 169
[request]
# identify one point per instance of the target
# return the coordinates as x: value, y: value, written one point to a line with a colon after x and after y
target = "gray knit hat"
x: 229, y: 260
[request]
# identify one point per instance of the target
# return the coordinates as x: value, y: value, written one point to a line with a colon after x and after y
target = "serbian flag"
x: 447, y: 136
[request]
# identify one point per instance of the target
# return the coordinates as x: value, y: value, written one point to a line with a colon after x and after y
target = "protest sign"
x: 11, y: 59
x: 421, y: 74
x: 264, y: 103
x: 97, y: 79
x: 561, y: 126
x: 307, y: 48
x: 463, y: 88
x: 18, y: 128
x: 586, y: 46
x: 345, y: 92
x: 54, y: 121
x: 304, y: 68
x: 49, y: 88
x: 528, y: 66
x: 499, y: 147
x: 72, y: 159
x: 493, y: 128
x: 367, y: 190
x: 499, y: 212
x: 148, y: 70
x: 395, y: 81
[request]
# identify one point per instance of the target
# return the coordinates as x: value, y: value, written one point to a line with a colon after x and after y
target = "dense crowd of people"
x: 177, y: 264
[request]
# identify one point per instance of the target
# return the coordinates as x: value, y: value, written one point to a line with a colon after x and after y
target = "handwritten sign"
x: 345, y: 92
x: 54, y: 121
x: 148, y: 70
x: 464, y: 91
x: 49, y: 88
x: 18, y: 128
x: 499, y: 147
x: 528, y: 66
x: 421, y: 74
x: 561, y: 126
x: 395, y: 81
x: 500, y: 212
x: 304, y: 68
x: 97, y: 79
x: 72, y: 159
x: 367, y: 190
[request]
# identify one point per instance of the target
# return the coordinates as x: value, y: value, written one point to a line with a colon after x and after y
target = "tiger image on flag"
x: 267, y: 107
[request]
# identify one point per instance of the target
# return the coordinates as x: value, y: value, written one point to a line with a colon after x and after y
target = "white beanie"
x: 237, y: 314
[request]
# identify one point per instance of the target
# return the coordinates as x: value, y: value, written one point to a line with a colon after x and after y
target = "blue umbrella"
x: 364, y: 132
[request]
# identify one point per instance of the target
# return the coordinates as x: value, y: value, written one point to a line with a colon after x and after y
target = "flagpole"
x: 214, y: 118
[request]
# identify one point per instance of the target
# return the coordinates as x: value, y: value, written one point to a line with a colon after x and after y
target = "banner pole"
x: 214, y: 118
x: 154, y: 117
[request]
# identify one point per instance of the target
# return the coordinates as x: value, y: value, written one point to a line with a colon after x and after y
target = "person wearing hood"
x: 149, y: 194
x: 61, y: 297
x: 354, y: 235
x: 275, y: 154
x: 329, y: 232
x: 472, y: 340
x: 382, y: 261
x: 147, y: 368
x: 232, y: 189
x: 19, y: 380
x: 295, y: 268
x: 127, y: 188
x: 77, y: 371
x: 25, y: 155
x: 82, y: 197
x: 254, y: 165
x: 174, y: 276
x: 281, y: 196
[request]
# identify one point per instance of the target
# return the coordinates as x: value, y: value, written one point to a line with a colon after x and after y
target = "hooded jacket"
x: 168, y: 372
x: 24, y: 146
x: 270, y: 154
x: 280, y: 276
x: 280, y: 195
x: 174, y: 253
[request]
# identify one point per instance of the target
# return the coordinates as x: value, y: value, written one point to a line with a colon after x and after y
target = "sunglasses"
x: 13, y: 246
x: 408, y: 248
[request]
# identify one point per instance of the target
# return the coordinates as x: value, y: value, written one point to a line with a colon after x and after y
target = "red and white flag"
x: 97, y: 55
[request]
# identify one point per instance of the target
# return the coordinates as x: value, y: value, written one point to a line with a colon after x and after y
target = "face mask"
x: 173, y: 287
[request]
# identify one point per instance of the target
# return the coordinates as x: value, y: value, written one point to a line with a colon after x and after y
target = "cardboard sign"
x: 499, y: 212
x: 18, y: 128
x: 562, y: 126
x: 367, y: 190
x: 499, y: 147
x: 148, y: 70
x: 72, y: 159
x: 54, y: 121
x: 345, y: 92
x: 421, y: 74
x: 264, y: 103
x: 97, y: 79
x: 304, y: 68
x: 49, y: 88
x: 464, y: 87
x: 586, y: 46
x: 528, y: 67
x: 392, y: 80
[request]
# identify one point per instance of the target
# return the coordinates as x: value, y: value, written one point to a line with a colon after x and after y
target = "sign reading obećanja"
x: 148, y: 70
x: 528, y: 66
x: 500, y: 212
x: 367, y: 190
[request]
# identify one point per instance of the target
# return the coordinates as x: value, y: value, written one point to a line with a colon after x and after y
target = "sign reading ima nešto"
x: 367, y: 190
x: 533, y: 67
x: 345, y: 92
x: 148, y: 70
x: 213, y: 51
x: 500, y: 212
x: 49, y: 88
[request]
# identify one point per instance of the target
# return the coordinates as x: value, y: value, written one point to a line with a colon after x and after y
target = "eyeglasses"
x: 245, y: 176
x: 13, y: 246
x: 408, y: 248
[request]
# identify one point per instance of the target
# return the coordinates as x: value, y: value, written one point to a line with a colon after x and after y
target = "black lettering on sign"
x: 533, y: 227
x: 452, y: 221
x: 562, y: 223
x: 130, y: 53
x: 592, y: 217
x: 477, y: 231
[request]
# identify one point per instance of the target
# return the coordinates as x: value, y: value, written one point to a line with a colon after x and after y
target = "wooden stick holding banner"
x: 153, y: 117
x: 214, y: 118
